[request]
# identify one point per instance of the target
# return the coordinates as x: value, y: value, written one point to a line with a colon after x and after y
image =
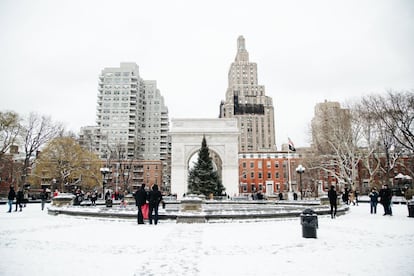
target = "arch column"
x: 222, y: 138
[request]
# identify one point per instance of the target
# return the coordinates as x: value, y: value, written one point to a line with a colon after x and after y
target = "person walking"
x: 385, y: 195
x: 10, y: 197
x: 155, y: 197
x: 94, y: 196
x: 43, y: 198
x: 345, y: 196
x: 373, y: 199
x: 140, y: 200
x: 333, y: 197
x: 19, y: 200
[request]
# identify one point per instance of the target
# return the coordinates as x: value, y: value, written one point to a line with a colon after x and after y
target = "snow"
x: 358, y: 243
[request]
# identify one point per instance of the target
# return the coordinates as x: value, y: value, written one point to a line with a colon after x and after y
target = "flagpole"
x: 290, y: 192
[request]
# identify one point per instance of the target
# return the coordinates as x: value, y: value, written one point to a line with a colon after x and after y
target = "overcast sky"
x: 51, y: 53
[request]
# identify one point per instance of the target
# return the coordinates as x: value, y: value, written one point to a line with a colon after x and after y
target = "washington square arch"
x: 222, y: 140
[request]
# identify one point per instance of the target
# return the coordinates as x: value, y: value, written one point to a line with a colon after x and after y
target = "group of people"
x: 22, y: 198
x: 152, y: 198
x: 384, y: 196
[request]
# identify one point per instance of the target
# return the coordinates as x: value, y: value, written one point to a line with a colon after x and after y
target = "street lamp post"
x: 300, y: 169
x: 104, y: 172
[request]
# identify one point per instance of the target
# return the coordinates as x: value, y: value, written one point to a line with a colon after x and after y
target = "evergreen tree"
x: 202, y: 178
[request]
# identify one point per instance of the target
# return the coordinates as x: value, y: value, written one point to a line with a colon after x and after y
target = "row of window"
x: 260, y: 175
x: 117, y: 74
x: 260, y: 164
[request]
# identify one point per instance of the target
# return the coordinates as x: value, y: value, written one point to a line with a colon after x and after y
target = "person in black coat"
x: 333, y: 196
x: 373, y: 196
x: 43, y: 198
x: 155, y: 197
x: 19, y: 199
x: 11, y: 196
x: 385, y: 195
x: 140, y: 200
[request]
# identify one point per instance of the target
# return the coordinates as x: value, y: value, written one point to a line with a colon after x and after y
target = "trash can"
x: 309, y: 221
x: 108, y: 202
x: 410, y: 206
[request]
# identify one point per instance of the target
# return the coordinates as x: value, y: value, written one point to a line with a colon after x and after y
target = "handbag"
x: 145, y: 210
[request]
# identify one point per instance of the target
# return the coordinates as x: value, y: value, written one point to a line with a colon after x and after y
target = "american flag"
x: 291, y: 145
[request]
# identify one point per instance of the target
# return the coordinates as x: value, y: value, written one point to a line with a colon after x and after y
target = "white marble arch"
x: 222, y: 138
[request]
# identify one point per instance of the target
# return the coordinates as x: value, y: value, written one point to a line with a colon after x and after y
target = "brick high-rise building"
x: 246, y: 101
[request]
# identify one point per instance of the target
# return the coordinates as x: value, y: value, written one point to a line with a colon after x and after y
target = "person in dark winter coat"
x: 140, y: 200
x: 385, y: 195
x: 19, y: 199
x: 345, y: 196
x: 333, y: 196
x: 373, y: 196
x: 10, y: 197
x: 43, y: 198
x: 94, y: 196
x: 155, y: 197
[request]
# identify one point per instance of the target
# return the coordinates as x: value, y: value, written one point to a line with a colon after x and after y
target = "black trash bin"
x: 108, y: 202
x: 410, y: 205
x: 309, y: 222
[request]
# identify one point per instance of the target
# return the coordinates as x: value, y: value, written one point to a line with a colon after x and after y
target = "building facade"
x: 132, y: 119
x: 246, y: 101
x: 268, y: 173
x: 330, y: 123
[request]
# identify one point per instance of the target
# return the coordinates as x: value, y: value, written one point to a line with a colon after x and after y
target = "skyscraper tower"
x: 132, y: 119
x: 246, y: 101
x: 120, y: 105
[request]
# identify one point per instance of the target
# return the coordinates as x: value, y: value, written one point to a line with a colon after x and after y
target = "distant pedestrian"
x: 43, y: 198
x: 155, y: 197
x: 26, y: 197
x: 345, y: 196
x: 356, y: 197
x: 94, y: 196
x: 333, y: 197
x: 385, y: 195
x: 140, y: 200
x: 351, y: 198
x: 10, y: 197
x: 19, y: 200
x: 373, y: 199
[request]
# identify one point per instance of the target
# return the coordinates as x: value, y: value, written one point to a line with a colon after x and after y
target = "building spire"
x: 241, y: 43
x: 242, y: 54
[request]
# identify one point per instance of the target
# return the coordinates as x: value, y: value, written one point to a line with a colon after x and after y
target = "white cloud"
x: 52, y: 53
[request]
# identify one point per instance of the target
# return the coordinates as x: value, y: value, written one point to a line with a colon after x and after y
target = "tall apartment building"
x: 330, y: 123
x: 246, y: 101
x: 119, y: 112
x: 132, y: 119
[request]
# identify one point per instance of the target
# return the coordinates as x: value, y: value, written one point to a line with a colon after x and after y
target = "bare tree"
x: 395, y: 111
x: 9, y: 130
x: 35, y: 132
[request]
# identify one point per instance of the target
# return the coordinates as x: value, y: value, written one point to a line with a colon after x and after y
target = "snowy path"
x: 355, y: 244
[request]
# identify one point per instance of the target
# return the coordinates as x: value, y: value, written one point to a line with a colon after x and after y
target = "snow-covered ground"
x: 358, y: 243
